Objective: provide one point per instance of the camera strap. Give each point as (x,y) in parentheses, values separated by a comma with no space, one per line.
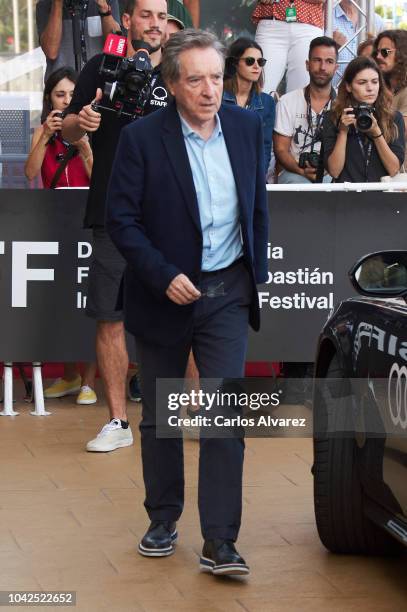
(83,16)
(78,11)
(70,152)
(366,152)
(320,116)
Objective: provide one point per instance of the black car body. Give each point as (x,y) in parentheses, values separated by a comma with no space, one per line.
(360,413)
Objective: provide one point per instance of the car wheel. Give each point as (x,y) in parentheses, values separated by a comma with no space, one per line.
(338,493)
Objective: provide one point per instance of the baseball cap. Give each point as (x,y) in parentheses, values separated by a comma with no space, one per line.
(177,21)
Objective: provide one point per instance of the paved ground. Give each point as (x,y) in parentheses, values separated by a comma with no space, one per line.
(71,520)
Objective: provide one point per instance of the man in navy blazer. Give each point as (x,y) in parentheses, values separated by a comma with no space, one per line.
(187,209)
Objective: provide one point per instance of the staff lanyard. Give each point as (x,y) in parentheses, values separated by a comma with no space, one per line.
(367,153)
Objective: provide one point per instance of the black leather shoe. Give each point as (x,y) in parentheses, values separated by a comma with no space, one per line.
(159,539)
(222,559)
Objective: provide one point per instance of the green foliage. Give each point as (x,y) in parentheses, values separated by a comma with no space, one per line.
(6,24)
(386,12)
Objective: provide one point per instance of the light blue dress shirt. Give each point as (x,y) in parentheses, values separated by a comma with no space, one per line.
(217,197)
(343,24)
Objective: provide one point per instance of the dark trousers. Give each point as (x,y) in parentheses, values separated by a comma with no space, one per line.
(219,342)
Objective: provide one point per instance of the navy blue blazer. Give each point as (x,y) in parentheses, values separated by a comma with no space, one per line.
(153,216)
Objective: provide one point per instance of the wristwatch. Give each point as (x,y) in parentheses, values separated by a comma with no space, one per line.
(108,12)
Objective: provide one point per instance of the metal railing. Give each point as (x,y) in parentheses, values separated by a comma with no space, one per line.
(346,186)
(366,9)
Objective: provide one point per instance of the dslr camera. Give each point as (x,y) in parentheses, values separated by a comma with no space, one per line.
(363,114)
(312,157)
(127,79)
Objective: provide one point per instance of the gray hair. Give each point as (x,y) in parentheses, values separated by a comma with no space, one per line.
(183,41)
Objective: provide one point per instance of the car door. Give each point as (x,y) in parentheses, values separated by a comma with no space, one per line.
(387,365)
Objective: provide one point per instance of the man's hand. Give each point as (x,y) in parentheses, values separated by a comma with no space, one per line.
(310,172)
(339,38)
(109,24)
(181,291)
(103,6)
(88,119)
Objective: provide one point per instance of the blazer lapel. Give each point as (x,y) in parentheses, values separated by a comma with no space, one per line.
(177,154)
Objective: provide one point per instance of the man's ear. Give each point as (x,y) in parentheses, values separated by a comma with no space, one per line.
(126,21)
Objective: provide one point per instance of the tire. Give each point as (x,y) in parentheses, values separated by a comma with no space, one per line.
(338,492)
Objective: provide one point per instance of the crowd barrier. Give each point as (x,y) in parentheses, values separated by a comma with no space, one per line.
(314,239)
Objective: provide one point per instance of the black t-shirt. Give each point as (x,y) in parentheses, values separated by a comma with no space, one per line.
(104,141)
(354,170)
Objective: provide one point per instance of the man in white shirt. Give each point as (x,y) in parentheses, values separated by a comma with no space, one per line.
(300,114)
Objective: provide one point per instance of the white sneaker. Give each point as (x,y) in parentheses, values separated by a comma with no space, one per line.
(111,436)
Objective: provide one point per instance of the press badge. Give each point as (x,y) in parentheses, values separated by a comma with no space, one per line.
(291,13)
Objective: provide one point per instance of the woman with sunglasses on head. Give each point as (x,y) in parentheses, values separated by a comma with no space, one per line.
(363,139)
(390,53)
(243,86)
(48,153)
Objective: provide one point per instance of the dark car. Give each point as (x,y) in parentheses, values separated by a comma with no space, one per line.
(360,413)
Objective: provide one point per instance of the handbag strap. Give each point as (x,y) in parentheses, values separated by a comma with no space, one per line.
(70,152)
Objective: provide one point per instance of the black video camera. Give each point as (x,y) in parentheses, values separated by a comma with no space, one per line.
(312,157)
(127,79)
(363,114)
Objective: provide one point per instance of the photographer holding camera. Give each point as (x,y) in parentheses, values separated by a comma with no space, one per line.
(144,89)
(95,20)
(48,150)
(363,138)
(300,113)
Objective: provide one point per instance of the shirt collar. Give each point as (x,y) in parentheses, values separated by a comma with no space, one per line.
(188,132)
(339,12)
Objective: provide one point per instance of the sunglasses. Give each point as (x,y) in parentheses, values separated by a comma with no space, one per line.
(383,52)
(250,61)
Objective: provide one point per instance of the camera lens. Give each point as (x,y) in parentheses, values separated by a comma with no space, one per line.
(364,119)
(313,159)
